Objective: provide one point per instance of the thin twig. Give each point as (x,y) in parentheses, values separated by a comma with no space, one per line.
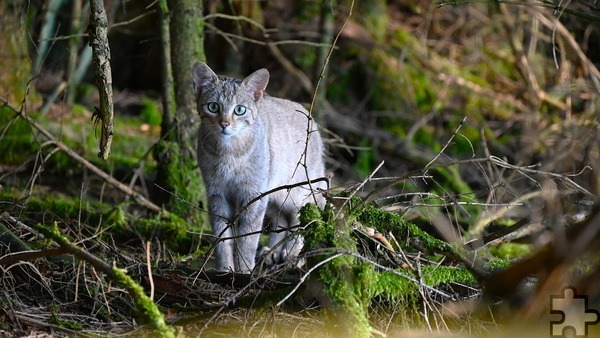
(447,143)
(44,324)
(282,187)
(358,188)
(487,218)
(15,257)
(303,278)
(564,177)
(149,269)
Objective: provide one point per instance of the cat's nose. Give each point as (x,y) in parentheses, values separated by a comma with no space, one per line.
(224,124)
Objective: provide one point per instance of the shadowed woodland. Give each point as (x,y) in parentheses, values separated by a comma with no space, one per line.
(463,152)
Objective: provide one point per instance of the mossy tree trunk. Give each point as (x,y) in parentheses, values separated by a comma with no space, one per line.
(177,175)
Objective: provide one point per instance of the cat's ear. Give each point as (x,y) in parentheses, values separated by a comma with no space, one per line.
(203,76)
(256,83)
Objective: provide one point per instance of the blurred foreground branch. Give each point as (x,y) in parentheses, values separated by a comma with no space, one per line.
(557,7)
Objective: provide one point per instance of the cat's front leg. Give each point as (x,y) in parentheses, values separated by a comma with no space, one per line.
(293,242)
(292,248)
(278,231)
(248,235)
(221,214)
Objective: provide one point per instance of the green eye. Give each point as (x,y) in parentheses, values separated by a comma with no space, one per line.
(239,110)
(213,107)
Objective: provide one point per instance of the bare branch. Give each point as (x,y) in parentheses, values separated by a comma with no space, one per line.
(141,200)
(98,30)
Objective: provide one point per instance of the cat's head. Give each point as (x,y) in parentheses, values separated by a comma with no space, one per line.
(227,105)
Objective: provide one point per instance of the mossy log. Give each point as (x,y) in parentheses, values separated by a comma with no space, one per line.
(354,280)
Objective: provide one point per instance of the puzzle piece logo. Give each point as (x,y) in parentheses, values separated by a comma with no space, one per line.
(576,316)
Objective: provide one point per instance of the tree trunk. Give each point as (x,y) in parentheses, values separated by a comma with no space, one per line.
(178,183)
(76,7)
(166,74)
(186,48)
(326,26)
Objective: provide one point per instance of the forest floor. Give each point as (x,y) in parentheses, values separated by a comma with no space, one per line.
(56,293)
(463,144)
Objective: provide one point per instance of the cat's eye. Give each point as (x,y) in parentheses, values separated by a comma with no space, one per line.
(239,110)
(213,107)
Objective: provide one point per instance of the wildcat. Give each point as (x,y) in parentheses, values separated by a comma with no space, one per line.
(249,143)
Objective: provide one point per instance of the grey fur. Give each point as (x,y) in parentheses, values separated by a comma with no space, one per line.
(242,156)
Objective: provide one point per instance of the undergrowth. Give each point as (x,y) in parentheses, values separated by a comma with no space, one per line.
(358,281)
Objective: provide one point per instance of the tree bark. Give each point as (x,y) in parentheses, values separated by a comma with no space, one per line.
(187,47)
(178,182)
(168,89)
(98,30)
(326,26)
(73,50)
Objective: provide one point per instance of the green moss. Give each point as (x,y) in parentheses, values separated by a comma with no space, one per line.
(130,149)
(510,251)
(349,303)
(310,212)
(171,228)
(168,227)
(497,264)
(147,310)
(117,218)
(150,112)
(426,136)
(468,142)
(340,277)
(69,324)
(437,275)
(58,205)
(180,177)
(78,109)
(319,233)
(389,222)
(17,142)
(393,287)
(52,232)
(353,284)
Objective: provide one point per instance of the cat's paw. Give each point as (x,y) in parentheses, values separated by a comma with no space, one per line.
(292,247)
(290,253)
(268,256)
